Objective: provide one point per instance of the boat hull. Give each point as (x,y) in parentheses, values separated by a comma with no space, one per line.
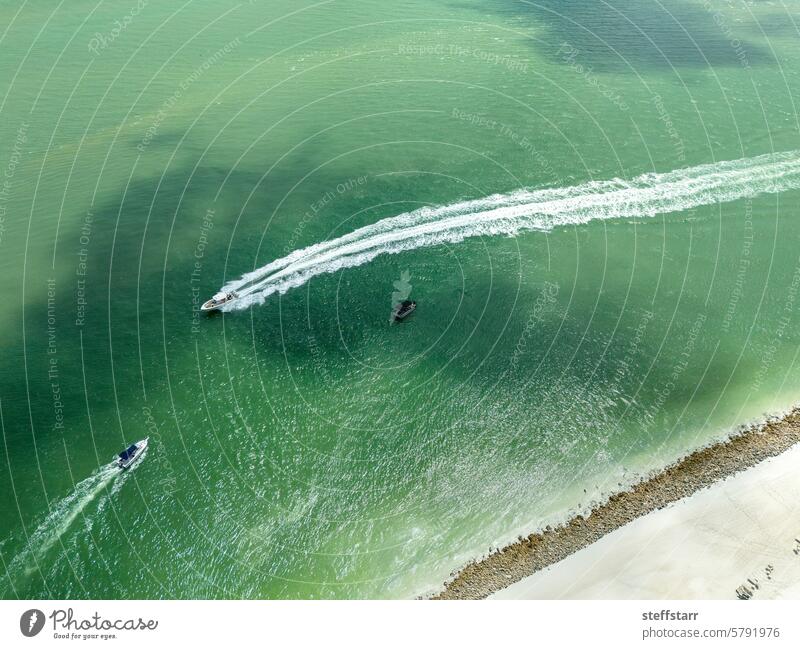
(406,309)
(215,305)
(127,463)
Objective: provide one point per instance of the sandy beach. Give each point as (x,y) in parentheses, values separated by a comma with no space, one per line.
(702,547)
(702,528)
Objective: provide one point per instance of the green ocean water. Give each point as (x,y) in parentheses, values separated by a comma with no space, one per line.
(305,447)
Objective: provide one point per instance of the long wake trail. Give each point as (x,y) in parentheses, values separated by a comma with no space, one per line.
(60,518)
(524,210)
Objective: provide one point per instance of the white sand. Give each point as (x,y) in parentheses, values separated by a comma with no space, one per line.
(701,547)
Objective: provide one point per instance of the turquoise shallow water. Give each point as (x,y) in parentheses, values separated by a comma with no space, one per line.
(303,447)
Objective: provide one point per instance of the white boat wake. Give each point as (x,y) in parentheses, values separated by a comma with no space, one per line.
(524,210)
(60,518)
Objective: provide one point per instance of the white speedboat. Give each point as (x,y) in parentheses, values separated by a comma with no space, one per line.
(218,300)
(132,454)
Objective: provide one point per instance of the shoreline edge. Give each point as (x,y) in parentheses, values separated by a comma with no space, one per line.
(696,471)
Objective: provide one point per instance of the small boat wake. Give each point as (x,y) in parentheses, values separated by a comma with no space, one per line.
(523,210)
(62,515)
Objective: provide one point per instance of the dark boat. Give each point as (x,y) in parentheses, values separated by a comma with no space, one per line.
(131,454)
(404,309)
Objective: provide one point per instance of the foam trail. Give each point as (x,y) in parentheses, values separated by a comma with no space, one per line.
(62,515)
(525,210)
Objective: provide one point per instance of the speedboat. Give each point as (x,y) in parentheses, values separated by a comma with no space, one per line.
(131,454)
(218,300)
(404,309)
